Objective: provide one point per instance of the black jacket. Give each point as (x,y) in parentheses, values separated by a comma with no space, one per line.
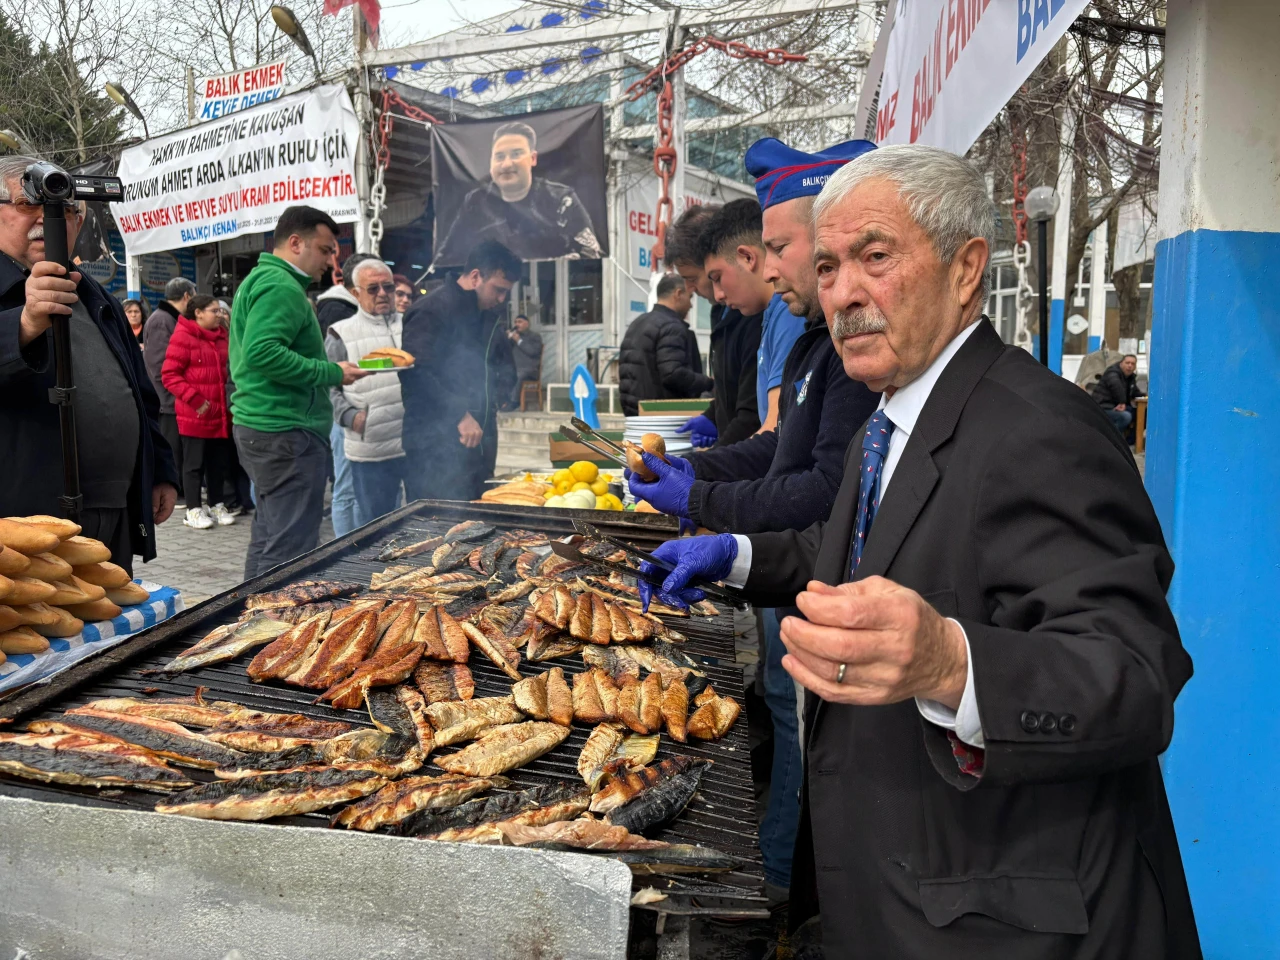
(30,437)
(462,364)
(1017,510)
(329,310)
(659,360)
(156,333)
(786,479)
(735,345)
(1114,388)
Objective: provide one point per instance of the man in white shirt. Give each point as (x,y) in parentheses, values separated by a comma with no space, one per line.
(989,658)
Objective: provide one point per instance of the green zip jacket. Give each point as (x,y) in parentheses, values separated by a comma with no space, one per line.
(278,364)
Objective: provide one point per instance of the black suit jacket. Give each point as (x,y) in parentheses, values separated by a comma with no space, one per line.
(1016,509)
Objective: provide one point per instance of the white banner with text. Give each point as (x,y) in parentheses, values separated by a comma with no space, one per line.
(231,92)
(953,64)
(237,175)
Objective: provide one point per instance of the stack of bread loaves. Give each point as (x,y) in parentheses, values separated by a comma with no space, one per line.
(52,580)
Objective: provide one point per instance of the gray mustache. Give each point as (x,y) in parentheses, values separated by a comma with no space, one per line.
(36,232)
(855,323)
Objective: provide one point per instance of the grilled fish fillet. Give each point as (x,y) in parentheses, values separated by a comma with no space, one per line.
(467,719)
(714,716)
(442,636)
(395,625)
(675,709)
(580,620)
(660,802)
(503,748)
(450,556)
(545,697)
(640,704)
(305,591)
(613,661)
(478,821)
(601,747)
(396,801)
(595,697)
(556,606)
(191,711)
(298,614)
(85,761)
(643,856)
(546,643)
(444,682)
(416,706)
(629,783)
(393,552)
(226,642)
(467,530)
(272,795)
(339,652)
(288,651)
(496,647)
(164,738)
(282,724)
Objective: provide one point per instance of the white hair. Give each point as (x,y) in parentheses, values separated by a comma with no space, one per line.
(365,265)
(12,168)
(944,193)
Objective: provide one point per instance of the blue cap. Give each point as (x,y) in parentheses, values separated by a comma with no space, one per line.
(783,173)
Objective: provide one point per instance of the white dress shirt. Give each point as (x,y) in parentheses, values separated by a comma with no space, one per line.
(903,409)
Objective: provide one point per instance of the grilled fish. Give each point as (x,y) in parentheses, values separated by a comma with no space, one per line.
(383,669)
(467,719)
(555,606)
(501,748)
(714,716)
(662,657)
(442,636)
(298,614)
(487,558)
(287,652)
(628,782)
(545,697)
(643,856)
(499,592)
(602,746)
(467,530)
(356,606)
(164,738)
(193,711)
(85,761)
(613,661)
(448,556)
(395,624)
(225,642)
(305,591)
(614,587)
(272,795)
(396,801)
(546,643)
(255,741)
(339,652)
(526,538)
(595,697)
(394,552)
(444,682)
(424,580)
(580,619)
(640,704)
(655,795)
(496,647)
(675,708)
(416,707)
(557,568)
(526,564)
(480,821)
(362,745)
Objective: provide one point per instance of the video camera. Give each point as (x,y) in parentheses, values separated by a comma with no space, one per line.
(47,183)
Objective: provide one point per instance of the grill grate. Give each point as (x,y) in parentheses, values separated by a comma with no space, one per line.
(722,815)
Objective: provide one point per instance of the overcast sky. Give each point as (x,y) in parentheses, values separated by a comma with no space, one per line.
(410,21)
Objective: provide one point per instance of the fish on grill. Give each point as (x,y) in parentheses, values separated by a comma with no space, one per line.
(193,711)
(395,625)
(340,651)
(256,741)
(642,855)
(444,682)
(302,592)
(272,794)
(501,592)
(287,652)
(521,628)
(640,704)
(385,668)
(547,643)
(714,715)
(449,556)
(455,721)
(613,661)
(393,552)
(468,530)
(301,613)
(390,755)
(164,738)
(526,564)
(664,658)
(490,554)
(396,801)
(422,580)
(225,643)
(615,588)
(555,606)
(284,724)
(652,796)
(545,697)
(391,574)
(580,619)
(441,636)
(500,749)
(675,709)
(491,642)
(81,760)
(356,607)
(480,821)
(415,705)
(609,749)
(591,617)
(595,697)
(527,538)
(556,567)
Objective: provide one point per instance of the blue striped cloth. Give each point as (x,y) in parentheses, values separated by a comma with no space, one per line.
(21,669)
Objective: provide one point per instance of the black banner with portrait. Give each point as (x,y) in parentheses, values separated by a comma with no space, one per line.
(532,181)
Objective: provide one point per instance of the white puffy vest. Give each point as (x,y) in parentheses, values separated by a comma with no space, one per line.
(378,393)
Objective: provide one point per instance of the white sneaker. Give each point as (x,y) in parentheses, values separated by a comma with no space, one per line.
(198,518)
(222,515)
(234,511)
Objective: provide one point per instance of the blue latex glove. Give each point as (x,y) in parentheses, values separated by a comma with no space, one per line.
(710,557)
(704,432)
(670,492)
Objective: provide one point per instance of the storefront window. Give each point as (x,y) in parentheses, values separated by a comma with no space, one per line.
(539,293)
(586,292)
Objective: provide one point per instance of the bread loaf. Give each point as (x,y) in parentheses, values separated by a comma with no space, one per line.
(128,595)
(95,610)
(26,538)
(12,563)
(6,587)
(106,575)
(48,567)
(74,590)
(36,614)
(79,551)
(60,527)
(66,624)
(22,640)
(27,590)
(9,618)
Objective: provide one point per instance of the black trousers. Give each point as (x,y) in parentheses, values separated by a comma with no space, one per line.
(111,526)
(446,470)
(209,459)
(169,430)
(288,471)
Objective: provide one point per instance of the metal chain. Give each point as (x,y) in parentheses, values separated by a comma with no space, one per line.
(773,56)
(1021,247)
(664,165)
(383,125)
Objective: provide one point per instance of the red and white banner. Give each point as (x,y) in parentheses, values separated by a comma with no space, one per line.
(230,92)
(953,64)
(233,176)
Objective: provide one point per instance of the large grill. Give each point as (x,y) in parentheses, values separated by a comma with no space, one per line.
(722,816)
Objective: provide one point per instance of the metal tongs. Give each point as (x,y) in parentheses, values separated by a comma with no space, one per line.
(583,427)
(577,437)
(710,588)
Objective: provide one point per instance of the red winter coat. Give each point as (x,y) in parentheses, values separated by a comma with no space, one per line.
(195,370)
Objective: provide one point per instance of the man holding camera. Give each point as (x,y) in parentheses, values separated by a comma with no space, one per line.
(127,473)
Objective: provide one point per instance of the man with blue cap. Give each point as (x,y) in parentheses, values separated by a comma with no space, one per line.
(784,479)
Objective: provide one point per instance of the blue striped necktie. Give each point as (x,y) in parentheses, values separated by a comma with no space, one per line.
(875,447)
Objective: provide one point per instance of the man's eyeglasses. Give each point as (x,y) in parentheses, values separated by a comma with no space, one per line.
(26,206)
(377,288)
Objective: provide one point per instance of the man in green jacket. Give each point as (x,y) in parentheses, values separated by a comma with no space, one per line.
(280,408)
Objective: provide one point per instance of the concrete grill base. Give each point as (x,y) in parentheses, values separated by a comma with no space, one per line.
(85,883)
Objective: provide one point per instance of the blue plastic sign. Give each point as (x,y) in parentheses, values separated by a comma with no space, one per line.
(582,390)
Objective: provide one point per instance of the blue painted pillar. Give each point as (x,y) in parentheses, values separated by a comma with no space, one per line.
(1213,462)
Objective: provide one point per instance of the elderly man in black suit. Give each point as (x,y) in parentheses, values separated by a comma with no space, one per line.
(990,661)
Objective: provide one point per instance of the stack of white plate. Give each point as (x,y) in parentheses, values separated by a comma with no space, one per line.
(663,425)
